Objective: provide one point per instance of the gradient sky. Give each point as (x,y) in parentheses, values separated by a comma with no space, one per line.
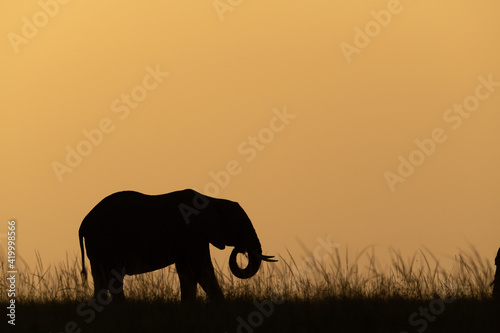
(319,174)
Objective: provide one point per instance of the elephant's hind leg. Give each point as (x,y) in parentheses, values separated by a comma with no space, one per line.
(115,285)
(99,276)
(106,278)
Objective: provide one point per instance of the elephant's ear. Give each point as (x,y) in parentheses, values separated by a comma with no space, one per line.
(206,233)
(218,245)
(208,223)
(214,232)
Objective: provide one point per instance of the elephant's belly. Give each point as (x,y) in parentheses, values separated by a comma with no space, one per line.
(141,265)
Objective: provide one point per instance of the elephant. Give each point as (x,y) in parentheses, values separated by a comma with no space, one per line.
(496,281)
(130,233)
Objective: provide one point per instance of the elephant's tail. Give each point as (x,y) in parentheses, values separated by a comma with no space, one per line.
(82,249)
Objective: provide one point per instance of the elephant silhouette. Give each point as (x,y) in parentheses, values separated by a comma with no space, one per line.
(130,233)
(496,281)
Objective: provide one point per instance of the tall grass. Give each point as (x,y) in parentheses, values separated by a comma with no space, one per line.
(418,277)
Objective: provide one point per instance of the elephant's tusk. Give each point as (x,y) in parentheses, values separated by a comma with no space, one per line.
(270,260)
(265,257)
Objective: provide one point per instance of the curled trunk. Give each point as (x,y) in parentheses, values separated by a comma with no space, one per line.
(252,268)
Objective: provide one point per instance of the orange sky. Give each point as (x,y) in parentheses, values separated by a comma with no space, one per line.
(358,93)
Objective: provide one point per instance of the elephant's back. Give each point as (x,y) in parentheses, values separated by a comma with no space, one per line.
(126,210)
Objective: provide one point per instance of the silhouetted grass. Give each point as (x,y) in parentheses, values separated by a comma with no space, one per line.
(306,295)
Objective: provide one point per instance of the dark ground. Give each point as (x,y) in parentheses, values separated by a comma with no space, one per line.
(325,315)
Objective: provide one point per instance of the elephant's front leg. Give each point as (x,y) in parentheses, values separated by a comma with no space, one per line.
(207,279)
(496,284)
(187,281)
(210,285)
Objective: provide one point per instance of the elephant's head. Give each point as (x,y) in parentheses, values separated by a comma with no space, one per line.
(229,225)
(243,237)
